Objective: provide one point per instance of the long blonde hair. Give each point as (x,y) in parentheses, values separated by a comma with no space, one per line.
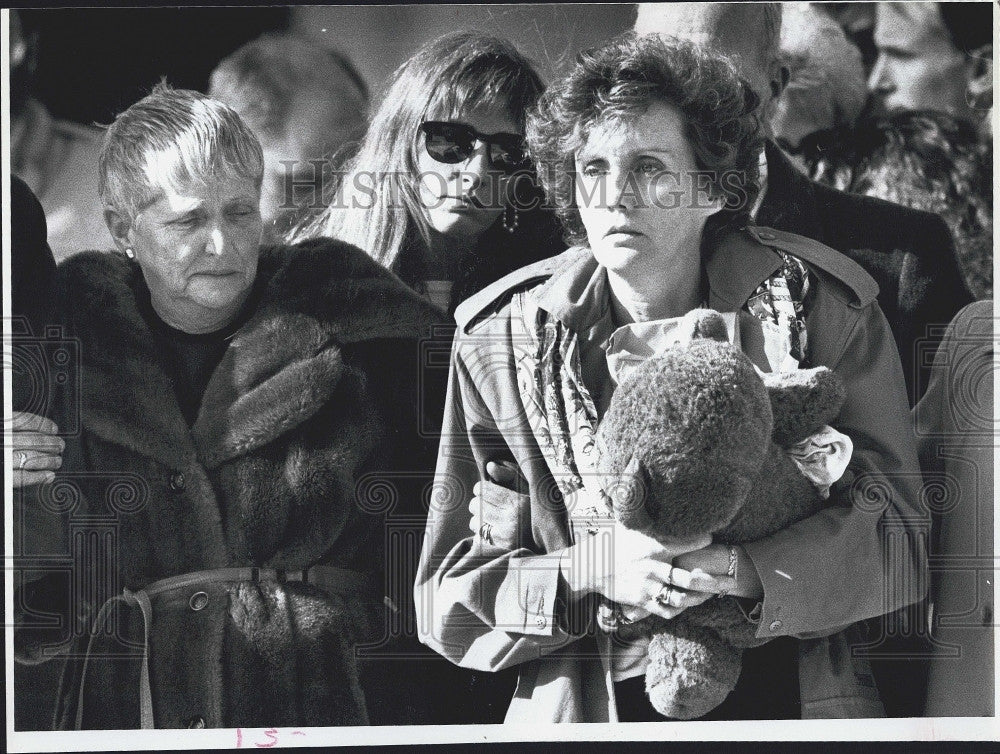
(375,205)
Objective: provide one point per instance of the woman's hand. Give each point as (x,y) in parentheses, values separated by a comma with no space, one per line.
(715,560)
(636,571)
(497,510)
(628,567)
(37,448)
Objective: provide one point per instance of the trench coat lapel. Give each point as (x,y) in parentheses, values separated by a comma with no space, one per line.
(735,266)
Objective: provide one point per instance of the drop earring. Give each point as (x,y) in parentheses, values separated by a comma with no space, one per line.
(510,218)
(129,253)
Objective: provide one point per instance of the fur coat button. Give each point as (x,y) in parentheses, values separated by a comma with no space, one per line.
(775,625)
(196,722)
(177,481)
(198,601)
(540,621)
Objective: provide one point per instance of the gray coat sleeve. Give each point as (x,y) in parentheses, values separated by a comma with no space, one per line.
(481,606)
(865,554)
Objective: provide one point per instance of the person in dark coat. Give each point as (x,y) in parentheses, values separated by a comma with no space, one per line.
(32,262)
(222,510)
(32,270)
(922,159)
(909,253)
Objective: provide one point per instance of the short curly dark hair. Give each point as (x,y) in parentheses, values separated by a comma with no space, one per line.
(622,78)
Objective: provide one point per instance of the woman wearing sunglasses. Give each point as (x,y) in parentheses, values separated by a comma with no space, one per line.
(648,149)
(441,190)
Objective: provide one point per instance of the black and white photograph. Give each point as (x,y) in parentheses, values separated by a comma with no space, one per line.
(443,373)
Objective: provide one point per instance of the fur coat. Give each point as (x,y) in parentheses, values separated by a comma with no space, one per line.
(285,467)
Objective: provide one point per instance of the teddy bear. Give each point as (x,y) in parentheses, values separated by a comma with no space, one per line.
(693,442)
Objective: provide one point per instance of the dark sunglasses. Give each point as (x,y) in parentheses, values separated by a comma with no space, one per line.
(451,142)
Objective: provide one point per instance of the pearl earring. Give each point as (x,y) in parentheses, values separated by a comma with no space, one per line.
(129,253)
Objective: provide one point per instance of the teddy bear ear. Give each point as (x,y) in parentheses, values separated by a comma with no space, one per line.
(704,324)
(627,492)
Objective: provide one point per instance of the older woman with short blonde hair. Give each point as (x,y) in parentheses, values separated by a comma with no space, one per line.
(233,401)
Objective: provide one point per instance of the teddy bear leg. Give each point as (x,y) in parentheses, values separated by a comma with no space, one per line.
(691,670)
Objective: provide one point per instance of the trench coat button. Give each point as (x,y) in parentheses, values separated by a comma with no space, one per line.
(540,621)
(198,601)
(196,722)
(775,625)
(177,481)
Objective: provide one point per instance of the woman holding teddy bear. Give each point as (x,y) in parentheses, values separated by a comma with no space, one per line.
(649,149)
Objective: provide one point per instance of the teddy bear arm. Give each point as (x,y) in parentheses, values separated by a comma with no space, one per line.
(779,497)
(803,402)
(725,618)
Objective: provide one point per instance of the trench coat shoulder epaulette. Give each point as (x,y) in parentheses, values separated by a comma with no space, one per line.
(839,266)
(493,297)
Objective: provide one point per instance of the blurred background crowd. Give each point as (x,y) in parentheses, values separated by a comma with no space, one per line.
(883,99)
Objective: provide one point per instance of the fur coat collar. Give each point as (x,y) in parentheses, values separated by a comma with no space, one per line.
(280,367)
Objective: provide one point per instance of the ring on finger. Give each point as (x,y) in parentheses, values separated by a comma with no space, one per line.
(22,460)
(665,594)
(486,532)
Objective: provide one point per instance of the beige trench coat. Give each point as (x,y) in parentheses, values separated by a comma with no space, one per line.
(489,608)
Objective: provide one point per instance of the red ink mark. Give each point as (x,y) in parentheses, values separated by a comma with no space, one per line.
(271,733)
(298,733)
(239,738)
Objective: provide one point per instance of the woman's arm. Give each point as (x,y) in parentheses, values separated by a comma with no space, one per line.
(490,606)
(482,607)
(864,555)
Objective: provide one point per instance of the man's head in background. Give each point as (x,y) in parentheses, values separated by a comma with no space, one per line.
(933,56)
(857,19)
(305,103)
(826,89)
(748,33)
